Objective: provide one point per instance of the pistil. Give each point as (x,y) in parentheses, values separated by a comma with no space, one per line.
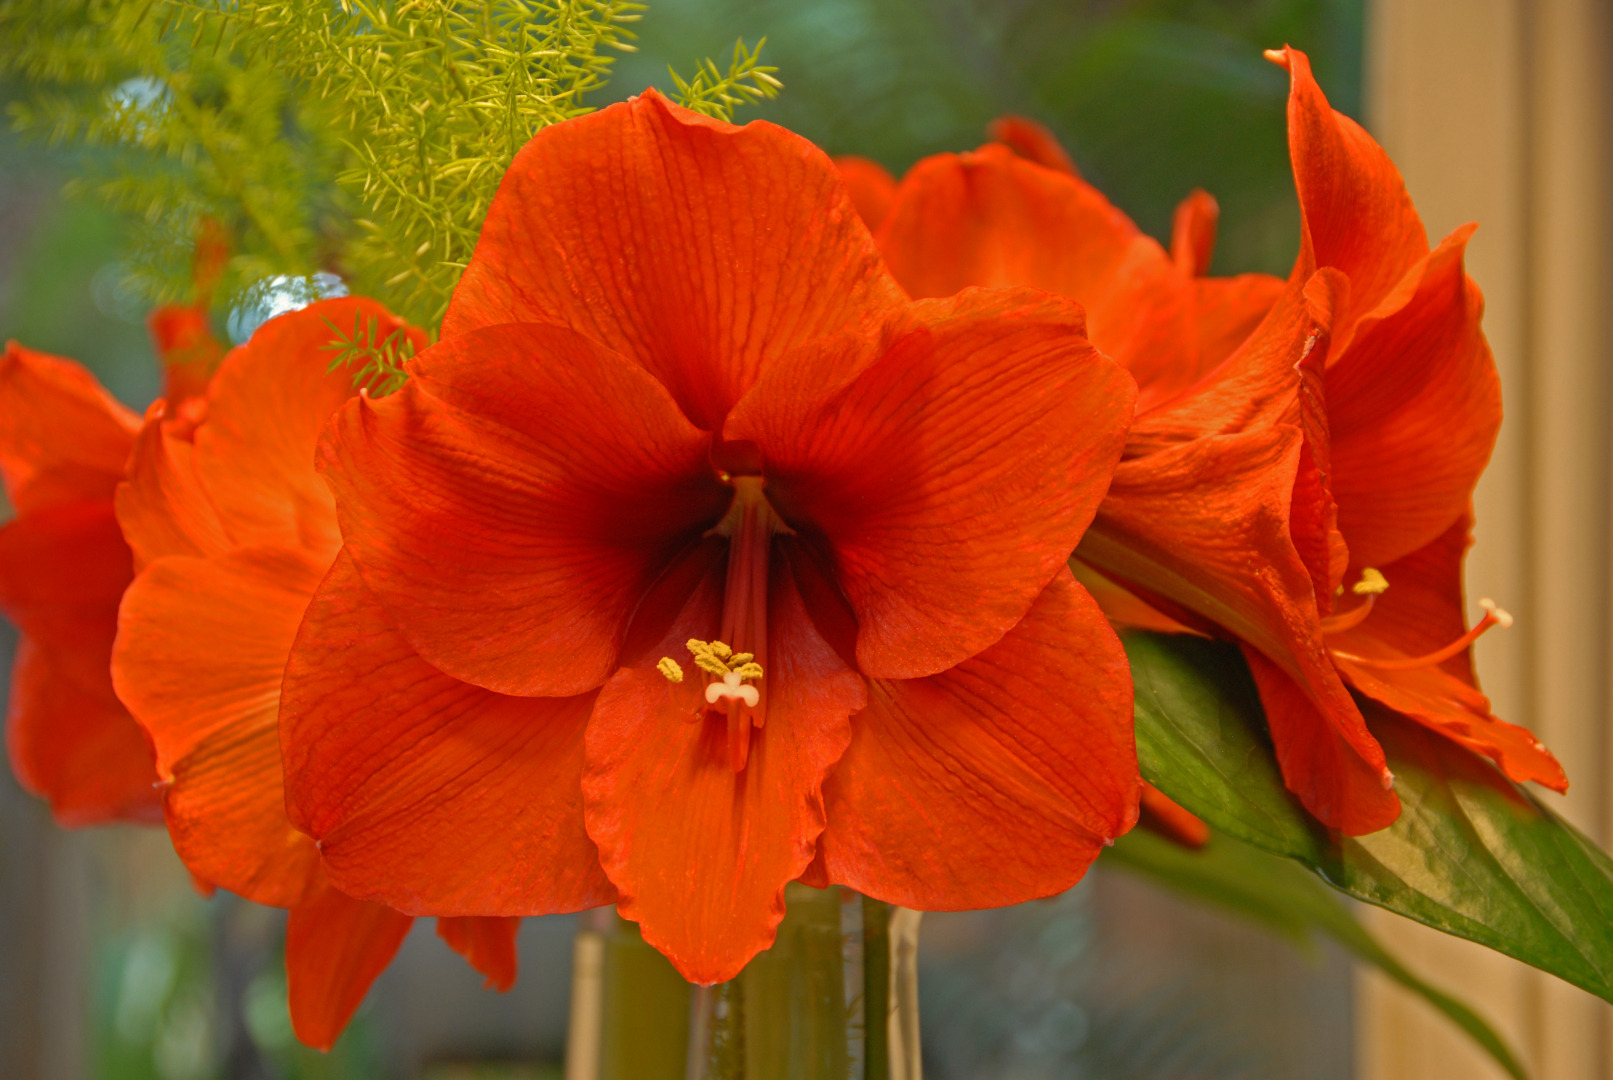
(749,525)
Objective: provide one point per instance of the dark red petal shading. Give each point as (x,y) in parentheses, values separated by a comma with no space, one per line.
(335,947)
(512,503)
(953,476)
(487,944)
(430,794)
(77,747)
(701,250)
(997,781)
(1335,781)
(63,438)
(871,186)
(700,854)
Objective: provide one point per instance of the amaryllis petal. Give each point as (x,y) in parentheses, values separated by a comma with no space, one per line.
(991,218)
(226,814)
(1228,555)
(510,504)
(162,506)
(991,783)
(77,746)
(871,186)
(993,428)
(1357,215)
(702,250)
(1226,312)
(1193,233)
(1419,614)
(335,947)
(1460,713)
(709,893)
(1169,818)
(427,793)
(487,944)
(63,438)
(1413,410)
(1338,783)
(1033,142)
(202,643)
(187,348)
(267,407)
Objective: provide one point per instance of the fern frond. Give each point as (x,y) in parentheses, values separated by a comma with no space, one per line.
(431,99)
(717,95)
(376,362)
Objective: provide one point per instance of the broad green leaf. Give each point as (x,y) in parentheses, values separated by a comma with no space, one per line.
(1201,739)
(1472,854)
(1280,895)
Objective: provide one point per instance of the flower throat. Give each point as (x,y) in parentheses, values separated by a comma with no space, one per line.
(736,662)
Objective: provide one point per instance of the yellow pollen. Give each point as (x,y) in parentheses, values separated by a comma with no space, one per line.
(1372,583)
(669,667)
(716,658)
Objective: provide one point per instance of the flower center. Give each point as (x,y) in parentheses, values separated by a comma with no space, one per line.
(1372,585)
(734,662)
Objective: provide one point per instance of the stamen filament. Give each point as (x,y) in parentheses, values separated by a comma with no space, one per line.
(1493,616)
(749,525)
(1347,620)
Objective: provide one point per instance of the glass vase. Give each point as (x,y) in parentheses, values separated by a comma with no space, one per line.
(835,998)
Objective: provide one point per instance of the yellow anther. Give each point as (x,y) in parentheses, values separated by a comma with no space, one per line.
(718,659)
(669,667)
(1372,583)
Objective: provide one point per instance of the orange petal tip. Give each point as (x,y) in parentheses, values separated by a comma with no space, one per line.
(1277,56)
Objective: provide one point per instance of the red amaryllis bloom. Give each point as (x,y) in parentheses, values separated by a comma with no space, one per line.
(696,553)
(1336,445)
(232,530)
(63,568)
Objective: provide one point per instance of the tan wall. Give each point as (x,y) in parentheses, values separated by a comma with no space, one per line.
(1497,111)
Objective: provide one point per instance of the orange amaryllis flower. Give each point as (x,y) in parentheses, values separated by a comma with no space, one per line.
(1266,470)
(232,530)
(770,560)
(64,442)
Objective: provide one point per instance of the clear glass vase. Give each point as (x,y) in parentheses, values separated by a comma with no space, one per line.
(835,998)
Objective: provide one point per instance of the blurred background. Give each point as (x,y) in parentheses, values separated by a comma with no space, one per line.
(111,966)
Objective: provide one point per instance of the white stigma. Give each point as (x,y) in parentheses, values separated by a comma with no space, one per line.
(733,689)
(1499,614)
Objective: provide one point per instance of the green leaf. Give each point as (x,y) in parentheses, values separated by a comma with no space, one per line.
(1472,854)
(1281,896)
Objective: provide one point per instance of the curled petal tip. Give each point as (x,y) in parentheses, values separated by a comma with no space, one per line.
(1277,56)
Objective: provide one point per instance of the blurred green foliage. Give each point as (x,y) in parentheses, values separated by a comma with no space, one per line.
(1152,97)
